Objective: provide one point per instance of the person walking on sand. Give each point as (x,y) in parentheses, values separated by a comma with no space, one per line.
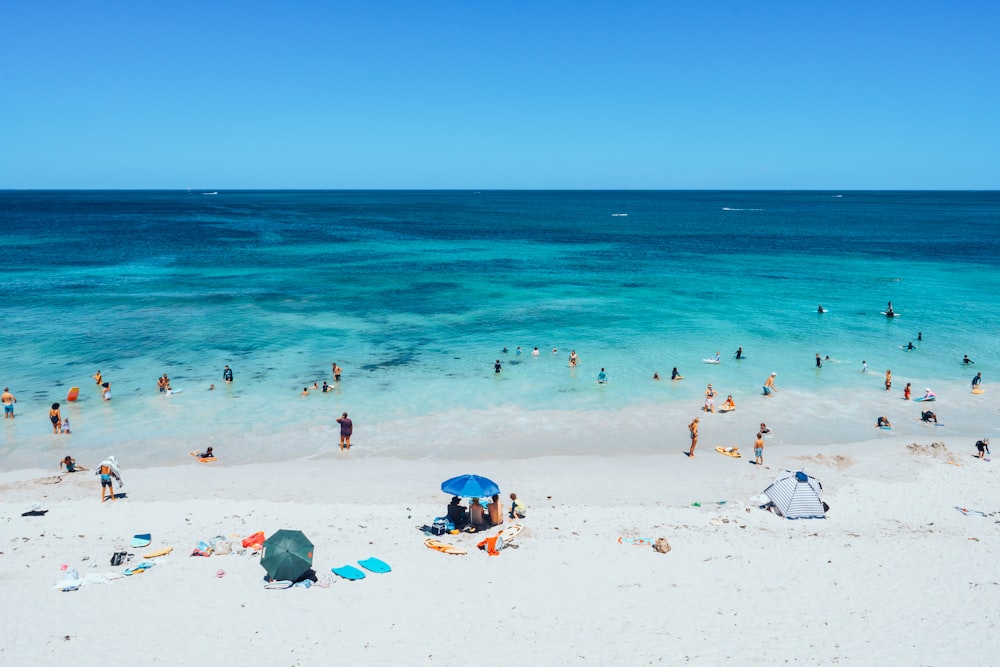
(8,401)
(227,374)
(109,470)
(888,380)
(758,450)
(346,428)
(693,428)
(55,418)
(769,387)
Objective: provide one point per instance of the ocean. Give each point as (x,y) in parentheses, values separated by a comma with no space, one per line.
(416,294)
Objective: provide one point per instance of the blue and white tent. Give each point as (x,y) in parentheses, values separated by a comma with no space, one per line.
(796,495)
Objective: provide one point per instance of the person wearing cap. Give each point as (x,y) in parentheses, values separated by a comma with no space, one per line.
(769,387)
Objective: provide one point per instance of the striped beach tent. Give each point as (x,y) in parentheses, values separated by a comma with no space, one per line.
(796,495)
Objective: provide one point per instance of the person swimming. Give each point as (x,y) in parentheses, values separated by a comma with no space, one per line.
(966,360)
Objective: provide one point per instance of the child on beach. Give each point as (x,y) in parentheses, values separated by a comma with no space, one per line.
(758,450)
(517,508)
(729,404)
(69,463)
(906,392)
(983,446)
(65,426)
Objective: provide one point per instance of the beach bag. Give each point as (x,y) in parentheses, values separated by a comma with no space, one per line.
(223,547)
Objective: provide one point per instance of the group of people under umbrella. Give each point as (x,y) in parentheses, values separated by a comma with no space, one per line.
(477,515)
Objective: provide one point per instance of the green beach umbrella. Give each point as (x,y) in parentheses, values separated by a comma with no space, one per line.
(287,554)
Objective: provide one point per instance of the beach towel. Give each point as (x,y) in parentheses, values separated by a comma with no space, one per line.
(255,541)
(203,549)
(492,545)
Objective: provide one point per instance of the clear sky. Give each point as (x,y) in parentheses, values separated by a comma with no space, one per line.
(476,94)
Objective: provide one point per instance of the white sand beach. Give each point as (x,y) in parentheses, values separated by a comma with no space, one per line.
(894,575)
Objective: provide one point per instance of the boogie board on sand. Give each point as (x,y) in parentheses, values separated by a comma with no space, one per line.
(731,451)
(142,540)
(977,390)
(375,565)
(348,572)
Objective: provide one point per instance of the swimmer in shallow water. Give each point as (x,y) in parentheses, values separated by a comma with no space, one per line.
(883,422)
(675,375)
(928,416)
(966,360)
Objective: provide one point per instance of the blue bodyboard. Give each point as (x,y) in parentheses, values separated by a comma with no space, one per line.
(142,540)
(375,565)
(348,572)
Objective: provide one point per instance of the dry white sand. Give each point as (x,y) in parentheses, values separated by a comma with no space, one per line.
(894,575)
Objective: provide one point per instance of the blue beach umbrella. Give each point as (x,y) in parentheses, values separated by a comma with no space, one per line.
(470,486)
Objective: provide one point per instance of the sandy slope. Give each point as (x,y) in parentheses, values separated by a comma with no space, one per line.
(895,575)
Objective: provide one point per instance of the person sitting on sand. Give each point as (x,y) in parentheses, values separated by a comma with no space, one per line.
(495,511)
(729,404)
(476,515)
(457,513)
(517,508)
(928,416)
(984,447)
(207,454)
(883,422)
(70,464)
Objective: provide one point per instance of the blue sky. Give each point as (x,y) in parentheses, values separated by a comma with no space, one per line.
(443,94)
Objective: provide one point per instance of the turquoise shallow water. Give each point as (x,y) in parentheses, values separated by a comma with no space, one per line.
(415,294)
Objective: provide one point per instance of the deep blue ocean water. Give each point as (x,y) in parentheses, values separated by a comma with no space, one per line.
(415,294)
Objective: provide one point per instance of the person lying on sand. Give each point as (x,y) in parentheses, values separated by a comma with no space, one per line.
(928,416)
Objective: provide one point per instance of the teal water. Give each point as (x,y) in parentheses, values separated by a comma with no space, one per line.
(415,294)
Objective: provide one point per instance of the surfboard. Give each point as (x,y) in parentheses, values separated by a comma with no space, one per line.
(711,361)
(510,532)
(731,452)
(348,572)
(884,428)
(375,565)
(977,390)
(160,552)
(444,547)
(927,399)
(73,393)
(142,540)
(894,314)
(640,541)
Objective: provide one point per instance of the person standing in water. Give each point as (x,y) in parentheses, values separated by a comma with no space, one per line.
(769,387)
(227,374)
(602,378)
(693,428)
(888,380)
(819,362)
(56,418)
(739,352)
(8,401)
(497,367)
(346,428)
(976,381)
(906,392)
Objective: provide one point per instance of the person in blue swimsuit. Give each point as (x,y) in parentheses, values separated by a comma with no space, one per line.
(497,367)
(976,380)
(602,378)
(227,374)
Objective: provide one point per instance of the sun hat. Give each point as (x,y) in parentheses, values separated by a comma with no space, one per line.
(773,374)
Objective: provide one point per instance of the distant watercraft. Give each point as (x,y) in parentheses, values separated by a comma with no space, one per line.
(619,215)
(209,193)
